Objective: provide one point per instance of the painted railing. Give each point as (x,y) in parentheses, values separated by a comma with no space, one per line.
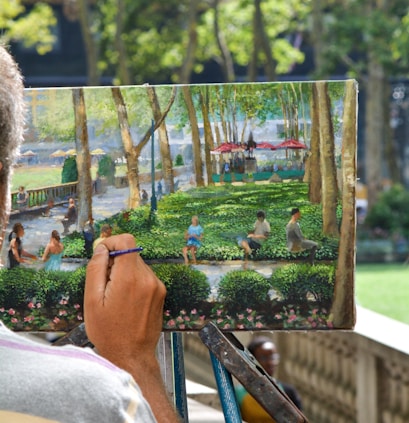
(39,197)
(355,376)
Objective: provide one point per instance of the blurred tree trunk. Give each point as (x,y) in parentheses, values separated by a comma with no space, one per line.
(261,43)
(83,158)
(343,300)
(329,189)
(375,127)
(123,70)
(226,57)
(91,49)
(189,60)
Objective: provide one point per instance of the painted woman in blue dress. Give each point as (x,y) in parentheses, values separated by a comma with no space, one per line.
(193,237)
(53,252)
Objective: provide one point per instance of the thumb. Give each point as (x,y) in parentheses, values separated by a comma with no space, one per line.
(97,276)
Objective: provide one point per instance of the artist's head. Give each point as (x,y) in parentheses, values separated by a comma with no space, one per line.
(195,220)
(265,352)
(11,129)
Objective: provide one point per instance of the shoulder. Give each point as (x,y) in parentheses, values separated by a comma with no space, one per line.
(117,391)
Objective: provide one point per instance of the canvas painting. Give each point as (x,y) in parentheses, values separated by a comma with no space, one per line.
(241,197)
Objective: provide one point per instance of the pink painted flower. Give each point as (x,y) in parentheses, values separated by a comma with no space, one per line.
(250,318)
(38,305)
(179,319)
(194,311)
(241,326)
(56,320)
(171,323)
(11,312)
(218,321)
(77,306)
(182,327)
(240,316)
(79,316)
(167,313)
(291,318)
(202,318)
(219,312)
(259,325)
(14,320)
(2,310)
(249,310)
(62,313)
(278,316)
(63,301)
(30,305)
(28,318)
(226,326)
(187,319)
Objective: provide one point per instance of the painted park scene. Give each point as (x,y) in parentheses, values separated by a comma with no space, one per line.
(242,197)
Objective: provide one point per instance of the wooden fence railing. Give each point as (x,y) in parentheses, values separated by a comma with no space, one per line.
(39,197)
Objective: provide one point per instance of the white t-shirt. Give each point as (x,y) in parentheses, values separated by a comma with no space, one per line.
(67,384)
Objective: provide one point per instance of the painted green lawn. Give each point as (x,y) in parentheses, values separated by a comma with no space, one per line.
(384,288)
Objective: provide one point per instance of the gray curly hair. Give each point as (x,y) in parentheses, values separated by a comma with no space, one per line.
(12,115)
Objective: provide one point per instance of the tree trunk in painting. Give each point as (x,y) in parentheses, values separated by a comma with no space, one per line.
(83,158)
(327,160)
(197,158)
(130,152)
(343,300)
(208,135)
(167,168)
(313,160)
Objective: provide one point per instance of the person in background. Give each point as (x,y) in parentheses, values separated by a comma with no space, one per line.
(22,198)
(144,196)
(265,352)
(16,251)
(53,252)
(255,238)
(295,239)
(193,237)
(89,236)
(70,217)
(159,190)
(106,232)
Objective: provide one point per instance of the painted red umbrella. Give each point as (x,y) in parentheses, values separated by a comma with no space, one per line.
(291,144)
(227,147)
(263,145)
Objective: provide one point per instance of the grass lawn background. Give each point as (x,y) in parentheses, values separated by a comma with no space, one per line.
(384,288)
